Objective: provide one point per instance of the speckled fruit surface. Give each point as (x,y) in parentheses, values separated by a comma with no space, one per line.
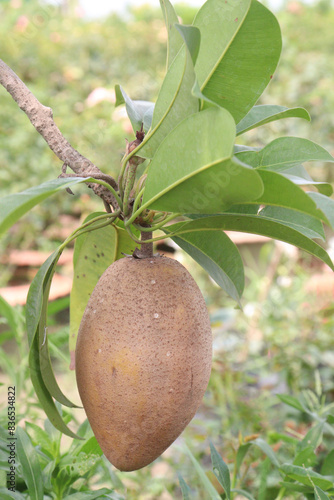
(143,358)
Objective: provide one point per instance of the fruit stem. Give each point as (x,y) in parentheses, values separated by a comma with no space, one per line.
(146,249)
(129,182)
(146,245)
(138,200)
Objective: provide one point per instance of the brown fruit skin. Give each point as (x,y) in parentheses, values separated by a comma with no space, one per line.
(143,358)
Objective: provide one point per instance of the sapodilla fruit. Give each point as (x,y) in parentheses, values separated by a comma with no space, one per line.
(143,358)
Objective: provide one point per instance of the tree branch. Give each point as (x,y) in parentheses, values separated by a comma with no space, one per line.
(41,118)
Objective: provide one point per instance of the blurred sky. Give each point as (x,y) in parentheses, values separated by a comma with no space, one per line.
(97,8)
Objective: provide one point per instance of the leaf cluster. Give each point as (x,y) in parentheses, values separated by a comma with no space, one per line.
(288,464)
(44,472)
(307,472)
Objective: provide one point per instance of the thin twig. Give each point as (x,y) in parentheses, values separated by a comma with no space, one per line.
(41,118)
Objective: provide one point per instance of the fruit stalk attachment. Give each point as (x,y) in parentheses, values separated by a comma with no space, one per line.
(146,249)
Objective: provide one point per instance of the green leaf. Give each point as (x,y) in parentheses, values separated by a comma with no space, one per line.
(241,453)
(5,336)
(35,294)
(148,117)
(323,187)
(325,204)
(296,487)
(297,171)
(90,447)
(207,179)
(89,495)
(125,244)
(327,468)
(84,430)
(31,469)
(185,490)
(305,458)
(209,190)
(299,175)
(209,488)
(43,394)
(330,419)
(243,493)
(136,110)
(218,255)
(3,438)
(260,443)
(314,437)
(44,354)
(256,225)
(284,153)
(215,22)
(14,206)
(205,101)
(291,401)
(94,252)
(305,224)
(240,148)
(40,437)
(306,476)
(281,192)
(36,315)
(239,52)
(243,209)
(78,465)
(264,473)
(175,102)
(11,495)
(260,115)
(8,312)
(192,39)
(52,431)
(47,474)
(319,494)
(174,41)
(102,247)
(58,305)
(221,471)
(115,480)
